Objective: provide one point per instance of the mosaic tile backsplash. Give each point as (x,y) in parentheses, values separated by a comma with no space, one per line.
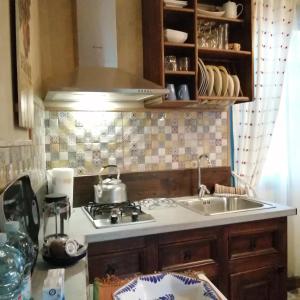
(135,141)
(28,159)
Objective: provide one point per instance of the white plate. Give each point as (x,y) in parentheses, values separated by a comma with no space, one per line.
(201,81)
(224,75)
(217,81)
(166,286)
(237,85)
(210,13)
(211,79)
(203,78)
(230,90)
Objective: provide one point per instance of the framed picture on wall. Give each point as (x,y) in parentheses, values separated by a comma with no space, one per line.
(22,62)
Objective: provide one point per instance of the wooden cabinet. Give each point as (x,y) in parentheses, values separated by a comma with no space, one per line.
(246,260)
(257,260)
(191,250)
(157,17)
(258,284)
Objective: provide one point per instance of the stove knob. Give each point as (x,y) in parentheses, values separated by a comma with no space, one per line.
(134,216)
(114,219)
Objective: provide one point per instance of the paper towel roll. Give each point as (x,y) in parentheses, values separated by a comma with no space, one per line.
(62,182)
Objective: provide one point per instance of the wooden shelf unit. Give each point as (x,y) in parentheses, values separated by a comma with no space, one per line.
(156,18)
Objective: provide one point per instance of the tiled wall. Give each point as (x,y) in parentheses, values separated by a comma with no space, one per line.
(27,159)
(136,141)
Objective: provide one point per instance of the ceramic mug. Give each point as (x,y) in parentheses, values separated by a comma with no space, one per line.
(172,94)
(183,92)
(231,9)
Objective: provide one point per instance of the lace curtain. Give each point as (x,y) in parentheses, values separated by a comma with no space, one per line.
(281,173)
(253,123)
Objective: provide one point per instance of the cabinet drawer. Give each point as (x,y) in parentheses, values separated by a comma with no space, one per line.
(254,239)
(116,246)
(188,252)
(120,264)
(248,244)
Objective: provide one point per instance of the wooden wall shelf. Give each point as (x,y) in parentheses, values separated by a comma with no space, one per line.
(180,45)
(171,104)
(223,53)
(181,73)
(156,17)
(202,102)
(219,19)
(178,9)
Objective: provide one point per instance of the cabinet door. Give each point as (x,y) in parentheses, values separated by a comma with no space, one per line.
(259,284)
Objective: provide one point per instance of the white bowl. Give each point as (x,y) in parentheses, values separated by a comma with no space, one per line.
(166,286)
(175,36)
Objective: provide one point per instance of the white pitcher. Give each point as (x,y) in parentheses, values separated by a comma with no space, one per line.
(231,9)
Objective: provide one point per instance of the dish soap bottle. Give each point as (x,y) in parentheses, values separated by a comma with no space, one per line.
(23,243)
(11,270)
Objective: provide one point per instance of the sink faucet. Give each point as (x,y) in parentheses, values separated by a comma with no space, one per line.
(202,189)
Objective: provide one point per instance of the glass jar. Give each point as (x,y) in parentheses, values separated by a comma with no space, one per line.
(183,64)
(170,63)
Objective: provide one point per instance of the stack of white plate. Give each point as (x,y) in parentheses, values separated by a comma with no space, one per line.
(216,81)
(175,3)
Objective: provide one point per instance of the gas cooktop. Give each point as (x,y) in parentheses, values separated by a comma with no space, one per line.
(117,214)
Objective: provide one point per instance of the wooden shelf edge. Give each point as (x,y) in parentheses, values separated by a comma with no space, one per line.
(180,73)
(223,98)
(219,19)
(169,103)
(179,45)
(221,101)
(224,52)
(178,9)
(203,102)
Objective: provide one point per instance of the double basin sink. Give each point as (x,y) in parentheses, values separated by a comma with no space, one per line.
(213,205)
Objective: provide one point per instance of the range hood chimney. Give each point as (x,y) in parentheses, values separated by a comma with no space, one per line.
(98,76)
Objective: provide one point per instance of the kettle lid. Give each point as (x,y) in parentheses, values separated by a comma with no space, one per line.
(112,181)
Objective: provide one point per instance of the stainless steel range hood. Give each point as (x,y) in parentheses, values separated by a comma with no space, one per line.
(108,84)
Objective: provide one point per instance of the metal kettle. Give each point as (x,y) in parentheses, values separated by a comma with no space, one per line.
(110,190)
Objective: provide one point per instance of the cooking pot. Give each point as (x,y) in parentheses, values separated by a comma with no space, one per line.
(110,190)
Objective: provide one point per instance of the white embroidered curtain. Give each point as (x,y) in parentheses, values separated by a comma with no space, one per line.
(253,122)
(280,177)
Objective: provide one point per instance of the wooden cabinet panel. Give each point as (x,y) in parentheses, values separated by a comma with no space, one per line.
(120,264)
(254,239)
(259,284)
(253,243)
(187,252)
(245,260)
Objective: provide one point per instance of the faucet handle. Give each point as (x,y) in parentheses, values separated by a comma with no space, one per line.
(203,190)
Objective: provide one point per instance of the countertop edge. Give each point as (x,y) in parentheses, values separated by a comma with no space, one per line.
(209,221)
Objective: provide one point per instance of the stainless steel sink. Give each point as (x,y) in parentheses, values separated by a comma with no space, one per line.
(213,205)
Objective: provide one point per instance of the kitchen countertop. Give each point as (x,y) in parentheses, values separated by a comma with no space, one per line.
(76,280)
(167,219)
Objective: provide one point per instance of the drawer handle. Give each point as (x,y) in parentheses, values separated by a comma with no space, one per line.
(110,270)
(187,255)
(253,244)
